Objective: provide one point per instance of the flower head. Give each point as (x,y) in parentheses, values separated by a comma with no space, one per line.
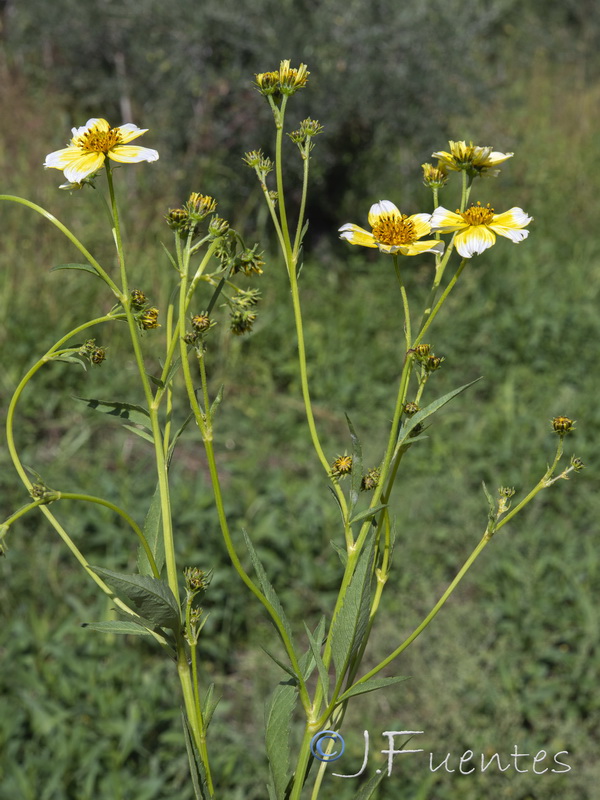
(92,143)
(471,158)
(478,225)
(393,232)
(286,80)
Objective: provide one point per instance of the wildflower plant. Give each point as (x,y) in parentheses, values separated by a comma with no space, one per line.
(162,601)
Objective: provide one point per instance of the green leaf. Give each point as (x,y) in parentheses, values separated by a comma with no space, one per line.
(177,434)
(268,590)
(368,790)
(315,648)
(118,626)
(82,267)
(280,663)
(370,686)
(71,360)
(197,771)
(217,401)
(307,662)
(151,529)
(340,551)
(350,624)
(357,465)
(210,703)
(140,432)
(491,502)
(149,597)
(367,513)
(278,724)
(411,422)
(125,412)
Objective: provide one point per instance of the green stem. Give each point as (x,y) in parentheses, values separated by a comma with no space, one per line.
(440,302)
(72,238)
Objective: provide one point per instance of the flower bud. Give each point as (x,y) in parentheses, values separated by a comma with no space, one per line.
(563,425)
(341,466)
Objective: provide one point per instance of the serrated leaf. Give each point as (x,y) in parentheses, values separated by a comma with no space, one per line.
(82,267)
(151,529)
(123,411)
(370,686)
(369,512)
(357,465)
(413,421)
(278,725)
(265,585)
(149,597)
(117,626)
(350,624)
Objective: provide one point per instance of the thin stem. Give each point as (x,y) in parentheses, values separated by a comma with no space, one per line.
(72,238)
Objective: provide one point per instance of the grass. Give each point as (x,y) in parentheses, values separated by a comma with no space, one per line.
(513,658)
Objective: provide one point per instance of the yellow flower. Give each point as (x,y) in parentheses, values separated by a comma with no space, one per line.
(92,143)
(472,158)
(393,232)
(478,225)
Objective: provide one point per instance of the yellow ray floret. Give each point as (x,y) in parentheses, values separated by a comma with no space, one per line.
(92,143)
(476,228)
(393,232)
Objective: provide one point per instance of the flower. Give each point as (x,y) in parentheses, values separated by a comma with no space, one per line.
(92,143)
(472,158)
(478,225)
(286,80)
(393,232)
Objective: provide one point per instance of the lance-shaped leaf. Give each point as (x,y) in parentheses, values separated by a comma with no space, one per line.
(370,686)
(128,414)
(155,541)
(412,422)
(83,267)
(149,597)
(265,585)
(357,465)
(278,723)
(197,771)
(315,648)
(351,621)
(118,626)
(209,705)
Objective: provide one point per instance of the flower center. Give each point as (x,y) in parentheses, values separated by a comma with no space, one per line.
(95,141)
(478,215)
(394,230)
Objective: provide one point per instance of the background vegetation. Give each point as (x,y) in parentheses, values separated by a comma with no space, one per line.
(513,659)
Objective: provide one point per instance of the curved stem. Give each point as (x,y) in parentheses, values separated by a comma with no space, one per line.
(70,236)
